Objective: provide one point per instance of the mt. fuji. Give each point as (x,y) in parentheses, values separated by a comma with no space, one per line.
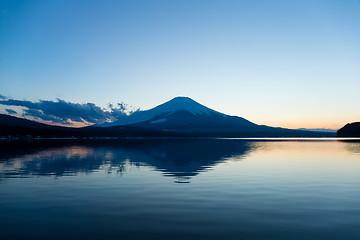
(183,115)
(180,112)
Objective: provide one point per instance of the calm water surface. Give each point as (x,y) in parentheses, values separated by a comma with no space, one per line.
(180,189)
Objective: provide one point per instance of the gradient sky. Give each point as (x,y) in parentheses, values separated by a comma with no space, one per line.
(281,63)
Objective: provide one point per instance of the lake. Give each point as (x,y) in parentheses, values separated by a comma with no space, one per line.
(180,189)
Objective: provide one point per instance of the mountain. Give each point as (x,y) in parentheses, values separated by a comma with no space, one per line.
(179,117)
(318,129)
(349,130)
(179,112)
(174,105)
(186,116)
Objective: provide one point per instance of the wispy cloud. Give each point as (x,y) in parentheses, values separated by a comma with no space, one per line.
(63,112)
(10,111)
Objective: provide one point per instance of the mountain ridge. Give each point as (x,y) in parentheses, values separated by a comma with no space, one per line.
(177,103)
(179,117)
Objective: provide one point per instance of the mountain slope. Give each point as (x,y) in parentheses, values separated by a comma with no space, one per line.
(10,121)
(349,130)
(181,120)
(184,116)
(193,110)
(15,126)
(184,123)
(19,127)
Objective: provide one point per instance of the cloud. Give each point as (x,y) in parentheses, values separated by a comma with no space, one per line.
(63,112)
(10,111)
(40,115)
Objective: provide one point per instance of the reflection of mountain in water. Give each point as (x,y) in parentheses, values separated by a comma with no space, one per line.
(178,158)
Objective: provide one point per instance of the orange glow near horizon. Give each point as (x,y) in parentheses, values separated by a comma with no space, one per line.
(293,123)
(328,123)
(308,125)
(73,124)
(279,124)
(282,124)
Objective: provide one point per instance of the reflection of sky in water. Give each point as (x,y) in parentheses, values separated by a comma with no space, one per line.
(182,159)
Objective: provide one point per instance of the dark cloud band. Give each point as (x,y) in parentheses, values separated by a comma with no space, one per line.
(10,111)
(64,112)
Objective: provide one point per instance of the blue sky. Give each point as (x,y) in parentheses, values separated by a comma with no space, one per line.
(281,63)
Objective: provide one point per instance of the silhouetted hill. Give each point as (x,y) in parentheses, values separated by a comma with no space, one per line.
(349,130)
(10,121)
(18,127)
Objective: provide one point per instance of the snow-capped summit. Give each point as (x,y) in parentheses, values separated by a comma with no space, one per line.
(185,104)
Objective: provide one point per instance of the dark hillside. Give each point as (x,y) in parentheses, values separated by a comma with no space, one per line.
(349,130)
